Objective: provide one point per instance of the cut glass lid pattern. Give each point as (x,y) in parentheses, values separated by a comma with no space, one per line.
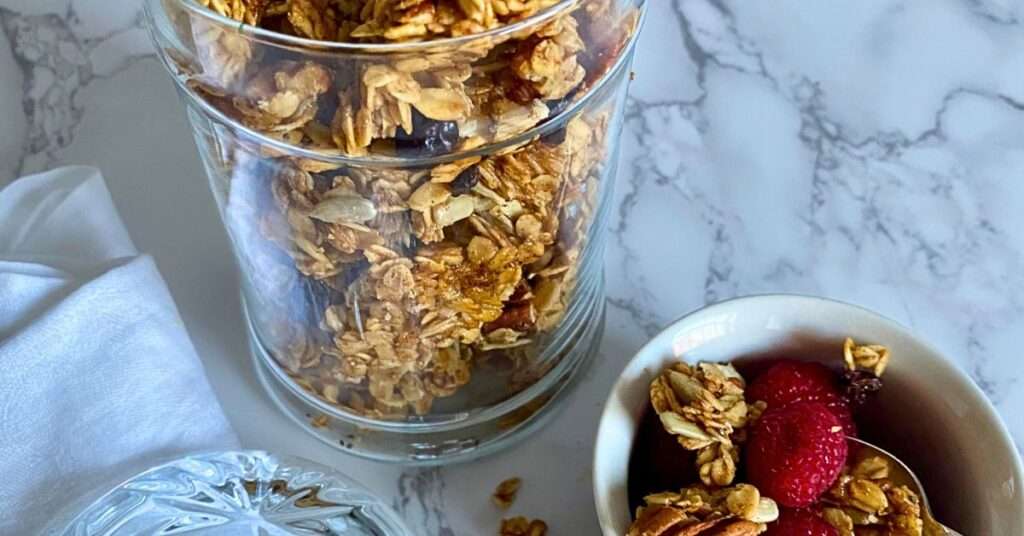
(238,493)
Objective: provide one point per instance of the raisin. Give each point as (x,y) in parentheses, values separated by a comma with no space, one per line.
(428,138)
(465,181)
(326,106)
(555,137)
(860,385)
(557,106)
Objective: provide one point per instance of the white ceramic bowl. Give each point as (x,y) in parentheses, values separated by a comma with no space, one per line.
(935,417)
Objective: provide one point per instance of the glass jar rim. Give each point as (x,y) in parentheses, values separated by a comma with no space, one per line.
(284,148)
(271,37)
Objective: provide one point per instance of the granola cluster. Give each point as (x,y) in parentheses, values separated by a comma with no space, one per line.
(375,21)
(521,526)
(505,494)
(866,501)
(703,406)
(416,277)
(443,99)
(393,279)
(698,510)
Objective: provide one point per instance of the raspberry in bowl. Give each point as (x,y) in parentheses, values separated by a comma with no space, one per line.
(754,399)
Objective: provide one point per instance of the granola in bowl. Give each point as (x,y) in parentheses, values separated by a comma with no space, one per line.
(776,445)
(413,190)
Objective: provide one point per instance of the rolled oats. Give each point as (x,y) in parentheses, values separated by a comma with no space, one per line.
(872,357)
(505,494)
(864,500)
(864,366)
(739,510)
(407,276)
(703,406)
(521,526)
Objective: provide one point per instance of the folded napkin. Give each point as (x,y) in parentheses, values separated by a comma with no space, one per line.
(98,379)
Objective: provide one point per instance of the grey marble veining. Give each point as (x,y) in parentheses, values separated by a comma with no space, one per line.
(869,151)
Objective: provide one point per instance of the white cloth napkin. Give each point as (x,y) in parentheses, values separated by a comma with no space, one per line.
(98,379)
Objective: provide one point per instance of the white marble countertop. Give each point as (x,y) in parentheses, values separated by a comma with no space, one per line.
(870,151)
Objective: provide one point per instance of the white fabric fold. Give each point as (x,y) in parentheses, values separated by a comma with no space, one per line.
(98,378)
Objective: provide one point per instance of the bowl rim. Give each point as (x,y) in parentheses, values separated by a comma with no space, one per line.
(976,396)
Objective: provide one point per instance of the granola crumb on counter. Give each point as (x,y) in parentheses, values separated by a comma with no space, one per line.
(505,493)
(521,526)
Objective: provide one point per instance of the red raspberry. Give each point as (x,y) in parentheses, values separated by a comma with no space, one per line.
(802,522)
(795,453)
(797,381)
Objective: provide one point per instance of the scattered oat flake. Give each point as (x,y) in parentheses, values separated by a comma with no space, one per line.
(320,421)
(505,494)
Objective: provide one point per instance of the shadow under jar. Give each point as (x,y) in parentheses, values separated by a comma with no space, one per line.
(416,194)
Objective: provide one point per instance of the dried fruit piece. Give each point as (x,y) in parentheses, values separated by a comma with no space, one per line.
(796,452)
(428,137)
(555,137)
(861,385)
(465,181)
(864,366)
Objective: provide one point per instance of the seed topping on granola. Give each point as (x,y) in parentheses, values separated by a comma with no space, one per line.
(703,407)
(737,510)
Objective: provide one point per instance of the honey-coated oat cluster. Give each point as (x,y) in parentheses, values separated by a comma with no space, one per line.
(867,501)
(708,409)
(407,275)
(700,510)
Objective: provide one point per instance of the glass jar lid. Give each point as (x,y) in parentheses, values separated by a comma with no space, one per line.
(238,493)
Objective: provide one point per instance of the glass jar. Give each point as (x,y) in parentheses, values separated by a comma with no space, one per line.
(417,211)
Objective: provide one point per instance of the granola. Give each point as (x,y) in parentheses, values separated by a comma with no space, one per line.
(505,494)
(863,369)
(445,99)
(865,500)
(521,526)
(872,357)
(387,285)
(703,406)
(739,510)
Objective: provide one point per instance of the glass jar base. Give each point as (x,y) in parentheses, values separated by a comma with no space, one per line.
(426,444)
